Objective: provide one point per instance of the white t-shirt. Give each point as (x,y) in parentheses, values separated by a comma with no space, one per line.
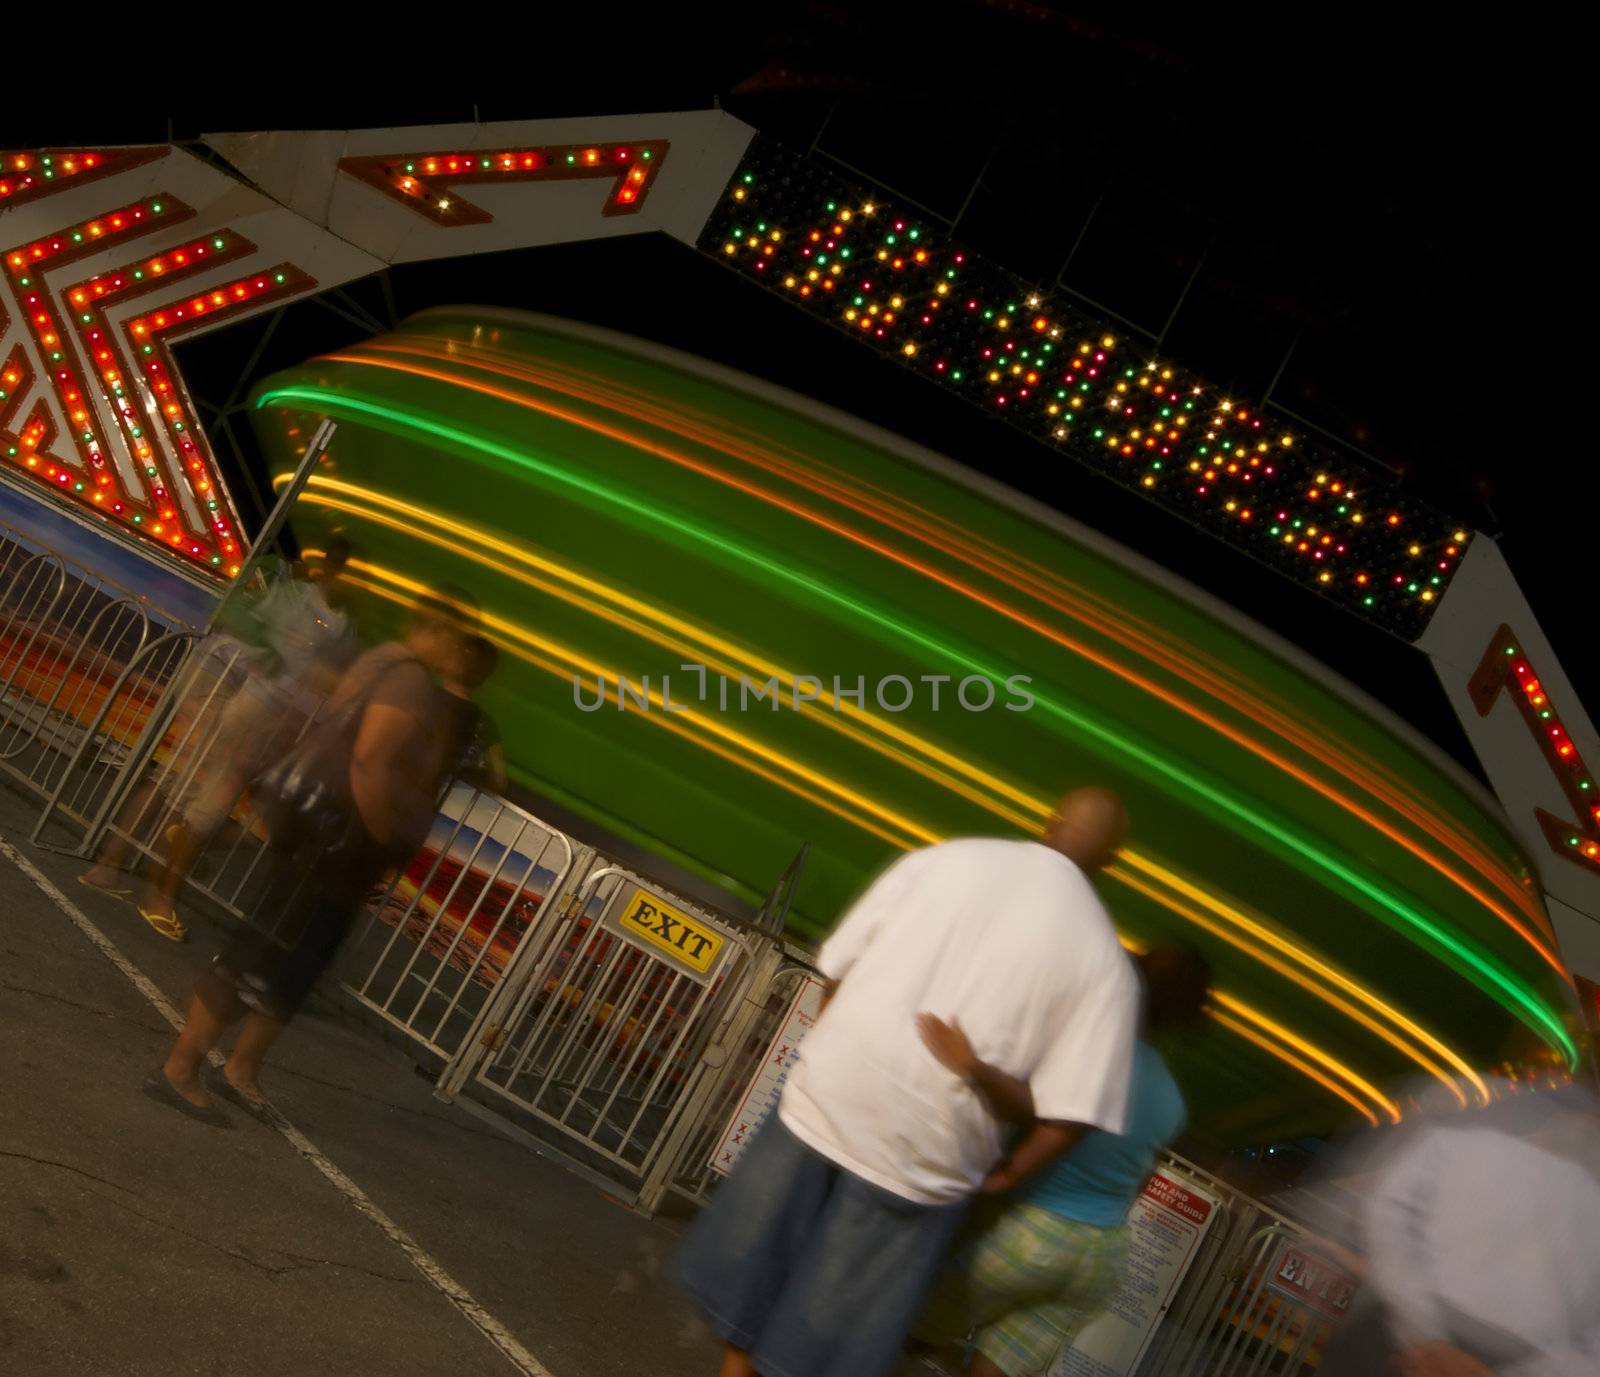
(299,627)
(1482,1240)
(1009,939)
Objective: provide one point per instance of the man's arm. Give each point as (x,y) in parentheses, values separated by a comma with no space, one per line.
(1008,1097)
(384,769)
(1045,1141)
(829,989)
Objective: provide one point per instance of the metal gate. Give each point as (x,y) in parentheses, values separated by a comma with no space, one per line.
(160,746)
(439,941)
(604,1035)
(767,1004)
(1248,1317)
(565,992)
(68,637)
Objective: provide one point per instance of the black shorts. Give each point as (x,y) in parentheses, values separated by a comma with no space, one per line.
(314,908)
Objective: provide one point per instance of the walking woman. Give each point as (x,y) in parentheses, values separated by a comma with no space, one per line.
(355,798)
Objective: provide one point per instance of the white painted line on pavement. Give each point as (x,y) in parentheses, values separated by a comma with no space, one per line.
(452,1290)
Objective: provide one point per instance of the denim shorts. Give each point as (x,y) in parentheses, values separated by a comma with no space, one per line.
(814,1271)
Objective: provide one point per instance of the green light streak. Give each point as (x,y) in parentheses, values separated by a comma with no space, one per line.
(1525,1004)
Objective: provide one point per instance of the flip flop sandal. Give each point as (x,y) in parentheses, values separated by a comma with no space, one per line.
(216,1082)
(158,1088)
(115,889)
(166,925)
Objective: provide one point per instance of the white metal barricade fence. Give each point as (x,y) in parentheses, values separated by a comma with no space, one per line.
(1266,1303)
(768,1003)
(163,753)
(69,638)
(31,588)
(104,753)
(605,1030)
(572,996)
(437,945)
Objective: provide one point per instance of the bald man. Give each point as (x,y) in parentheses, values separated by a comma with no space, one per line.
(814,1257)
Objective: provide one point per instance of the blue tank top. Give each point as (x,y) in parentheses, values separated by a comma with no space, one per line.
(1098,1181)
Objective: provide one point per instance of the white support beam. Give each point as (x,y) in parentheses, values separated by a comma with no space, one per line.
(1482,597)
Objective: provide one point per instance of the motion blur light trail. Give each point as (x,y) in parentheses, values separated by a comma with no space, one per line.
(1382,901)
(1135,860)
(1179,659)
(647,445)
(1281,1042)
(620,511)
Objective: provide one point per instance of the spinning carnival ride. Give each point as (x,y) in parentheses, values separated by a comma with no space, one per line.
(622,513)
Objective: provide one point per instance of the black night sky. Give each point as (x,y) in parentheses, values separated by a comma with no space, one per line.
(1364,220)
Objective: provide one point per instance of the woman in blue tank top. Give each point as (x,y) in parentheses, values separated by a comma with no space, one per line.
(1031,1270)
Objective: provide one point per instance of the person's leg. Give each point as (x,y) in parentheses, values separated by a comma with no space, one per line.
(274,981)
(196,692)
(214,1007)
(997,1264)
(1061,1274)
(243,1067)
(111,860)
(250,732)
(736,1363)
(857,1285)
(185,842)
(735,1259)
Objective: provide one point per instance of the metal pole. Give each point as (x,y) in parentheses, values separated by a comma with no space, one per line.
(1183,296)
(1266,397)
(1077,243)
(277,518)
(973,189)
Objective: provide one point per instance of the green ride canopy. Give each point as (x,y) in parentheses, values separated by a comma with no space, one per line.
(620,512)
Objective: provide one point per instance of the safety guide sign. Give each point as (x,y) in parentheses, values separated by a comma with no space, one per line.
(766,1086)
(1166,1225)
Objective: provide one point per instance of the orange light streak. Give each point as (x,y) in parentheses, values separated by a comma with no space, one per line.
(1067,642)
(914,832)
(1153,642)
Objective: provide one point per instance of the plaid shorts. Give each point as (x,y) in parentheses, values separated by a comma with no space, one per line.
(1020,1282)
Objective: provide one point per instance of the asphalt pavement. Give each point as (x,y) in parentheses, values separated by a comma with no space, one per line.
(399,1235)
